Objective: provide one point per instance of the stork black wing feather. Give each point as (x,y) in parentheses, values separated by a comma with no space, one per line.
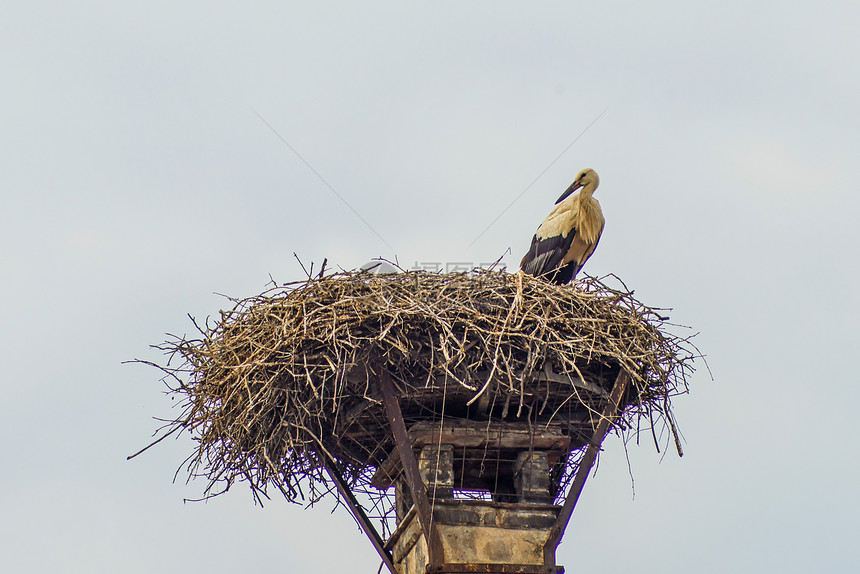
(545,255)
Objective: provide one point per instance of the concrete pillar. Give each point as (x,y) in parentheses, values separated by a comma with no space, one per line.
(436,467)
(531,477)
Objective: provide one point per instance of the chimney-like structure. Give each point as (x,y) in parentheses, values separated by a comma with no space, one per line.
(486,535)
(510,524)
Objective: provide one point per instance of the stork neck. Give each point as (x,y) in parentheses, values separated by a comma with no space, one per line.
(587,191)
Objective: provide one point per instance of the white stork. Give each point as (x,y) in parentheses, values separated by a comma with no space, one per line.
(569,235)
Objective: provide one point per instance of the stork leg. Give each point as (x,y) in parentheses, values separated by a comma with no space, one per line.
(518,298)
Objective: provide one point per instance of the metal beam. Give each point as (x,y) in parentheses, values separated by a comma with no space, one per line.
(608,415)
(410,470)
(359,514)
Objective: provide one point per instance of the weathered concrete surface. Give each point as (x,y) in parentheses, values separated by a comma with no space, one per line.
(476,532)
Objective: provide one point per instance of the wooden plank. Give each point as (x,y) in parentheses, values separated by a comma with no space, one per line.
(430,388)
(478,434)
(548,375)
(410,470)
(607,417)
(474,435)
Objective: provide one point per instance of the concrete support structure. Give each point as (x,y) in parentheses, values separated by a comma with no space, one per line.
(515,533)
(477,535)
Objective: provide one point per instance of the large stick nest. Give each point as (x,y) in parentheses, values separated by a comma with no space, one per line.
(287,377)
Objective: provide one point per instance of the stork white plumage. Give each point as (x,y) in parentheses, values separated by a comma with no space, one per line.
(570,233)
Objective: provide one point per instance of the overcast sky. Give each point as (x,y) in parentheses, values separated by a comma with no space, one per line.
(138,180)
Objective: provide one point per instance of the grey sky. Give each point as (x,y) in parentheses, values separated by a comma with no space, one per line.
(137,180)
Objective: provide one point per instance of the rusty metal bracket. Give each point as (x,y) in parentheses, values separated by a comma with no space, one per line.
(416,486)
(358,512)
(496,569)
(607,417)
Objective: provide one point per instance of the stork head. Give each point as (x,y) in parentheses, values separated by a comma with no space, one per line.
(587,179)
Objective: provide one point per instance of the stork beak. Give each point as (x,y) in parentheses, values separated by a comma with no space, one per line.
(573,187)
